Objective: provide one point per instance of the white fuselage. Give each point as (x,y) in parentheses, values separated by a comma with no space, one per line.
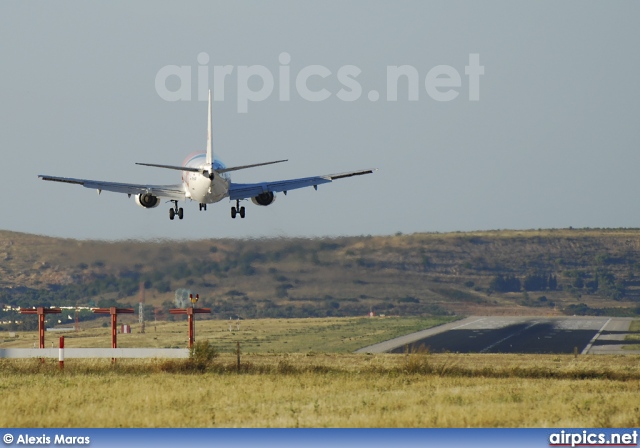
(200,188)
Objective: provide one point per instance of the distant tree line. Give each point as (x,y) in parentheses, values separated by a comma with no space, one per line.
(509,283)
(532,282)
(582,309)
(540,282)
(603,283)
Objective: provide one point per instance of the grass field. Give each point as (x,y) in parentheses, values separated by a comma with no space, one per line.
(327,390)
(301,373)
(335,335)
(633,338)
(634,329)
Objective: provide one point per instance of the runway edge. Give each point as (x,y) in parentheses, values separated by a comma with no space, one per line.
(383,347)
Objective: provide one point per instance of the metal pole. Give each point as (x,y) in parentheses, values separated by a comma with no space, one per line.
(193,301)
(114,329)
(41,325)
(41,328)
(61,352)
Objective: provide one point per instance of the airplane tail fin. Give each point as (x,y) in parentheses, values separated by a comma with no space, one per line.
(209,157)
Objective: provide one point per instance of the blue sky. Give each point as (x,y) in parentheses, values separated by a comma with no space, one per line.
(551,142)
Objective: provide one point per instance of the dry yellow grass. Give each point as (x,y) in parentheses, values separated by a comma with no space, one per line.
(329,391)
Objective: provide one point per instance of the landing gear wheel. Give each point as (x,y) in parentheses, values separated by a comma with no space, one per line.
(175,211)
(237,210)
(203,206)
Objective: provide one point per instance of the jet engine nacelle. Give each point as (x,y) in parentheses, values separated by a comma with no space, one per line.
(147,200)
(264,199)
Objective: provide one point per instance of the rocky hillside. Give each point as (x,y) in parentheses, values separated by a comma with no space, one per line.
(501,272)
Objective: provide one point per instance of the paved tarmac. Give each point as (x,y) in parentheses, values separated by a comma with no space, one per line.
(486,334)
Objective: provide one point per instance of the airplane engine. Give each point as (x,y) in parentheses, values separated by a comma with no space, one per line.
(147,200)
(264,199)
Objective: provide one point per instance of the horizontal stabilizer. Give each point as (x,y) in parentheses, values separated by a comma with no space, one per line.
(172,167)
(236,168)
(220,171)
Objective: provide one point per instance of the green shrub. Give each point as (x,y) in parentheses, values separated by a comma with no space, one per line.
(202,354)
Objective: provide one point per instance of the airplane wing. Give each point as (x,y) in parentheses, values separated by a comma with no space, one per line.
(163,191)
(246,191)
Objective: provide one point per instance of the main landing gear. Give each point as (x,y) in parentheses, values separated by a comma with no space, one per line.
(237,210)
(175,211)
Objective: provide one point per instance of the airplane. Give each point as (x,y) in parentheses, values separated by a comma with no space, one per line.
(205,179)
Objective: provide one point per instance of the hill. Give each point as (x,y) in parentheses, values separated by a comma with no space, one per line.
(587,271)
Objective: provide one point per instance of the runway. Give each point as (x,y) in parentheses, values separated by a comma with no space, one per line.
(594,335)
